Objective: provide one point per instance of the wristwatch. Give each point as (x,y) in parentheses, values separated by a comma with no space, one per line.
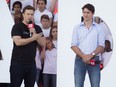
(93,54)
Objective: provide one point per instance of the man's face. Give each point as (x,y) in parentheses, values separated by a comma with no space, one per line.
(28,15)
(87,15)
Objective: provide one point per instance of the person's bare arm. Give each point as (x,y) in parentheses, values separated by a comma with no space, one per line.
(77,51)
(24,41)
(98,50)
(41,40)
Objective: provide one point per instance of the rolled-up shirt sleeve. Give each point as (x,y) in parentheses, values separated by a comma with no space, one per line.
(101,38)
(74,37)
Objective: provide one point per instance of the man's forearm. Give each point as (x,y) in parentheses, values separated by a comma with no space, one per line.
(41,41)
(99,49)
(77,51)
(20,42)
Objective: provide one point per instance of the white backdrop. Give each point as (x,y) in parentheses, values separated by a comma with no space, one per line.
(6,23)
(70,15)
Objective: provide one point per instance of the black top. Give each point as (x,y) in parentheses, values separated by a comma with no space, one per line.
(24,54)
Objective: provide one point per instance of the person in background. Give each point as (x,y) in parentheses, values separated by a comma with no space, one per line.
(24,3)
(87,43)
(105,57)
(49,54)
(41,9)
(53,35)
(17,15)
(39,61)
(45,20)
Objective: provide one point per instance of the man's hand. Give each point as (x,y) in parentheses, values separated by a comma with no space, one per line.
(86,58)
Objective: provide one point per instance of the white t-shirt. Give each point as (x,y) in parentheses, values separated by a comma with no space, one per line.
(106,57)
(24,3)
(55,17)
(46,32)
(38,14)
(48,5)
(50,62)
(55,43)
(38,60)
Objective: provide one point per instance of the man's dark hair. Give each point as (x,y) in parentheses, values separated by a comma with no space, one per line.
(17,3)
(90,7)
(28,7)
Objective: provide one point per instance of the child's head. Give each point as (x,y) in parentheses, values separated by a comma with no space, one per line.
(45,20)
(107,46)
(49,43)
(53,33)
(17,6)
(41,4)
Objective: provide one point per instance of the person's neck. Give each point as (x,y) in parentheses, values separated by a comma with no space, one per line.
(25,22)
(17,12)
(45,27)
(54,38)
(88,23)
(41,10)
(50,49)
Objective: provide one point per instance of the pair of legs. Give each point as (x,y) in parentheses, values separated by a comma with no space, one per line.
(20,72)
(80,72)
(39,78)
(49,80)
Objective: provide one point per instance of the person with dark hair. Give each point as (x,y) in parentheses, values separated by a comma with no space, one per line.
(105,57)
(41,10)
(23,66)
(39,63)
(54,35)
(49,54)
(87,43)
(17,15)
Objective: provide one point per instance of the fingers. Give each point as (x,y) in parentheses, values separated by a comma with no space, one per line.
(41,34)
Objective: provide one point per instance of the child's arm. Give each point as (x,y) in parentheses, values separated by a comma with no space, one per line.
(43,53)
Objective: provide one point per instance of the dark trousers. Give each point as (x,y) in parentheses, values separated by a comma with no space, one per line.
(49,80)
(20,72)
(4,84)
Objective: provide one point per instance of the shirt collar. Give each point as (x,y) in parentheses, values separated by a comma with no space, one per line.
(82,23)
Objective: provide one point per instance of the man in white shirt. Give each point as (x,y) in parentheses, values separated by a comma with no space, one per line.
(87,42)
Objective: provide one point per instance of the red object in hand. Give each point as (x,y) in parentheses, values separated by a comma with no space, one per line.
(30,26)
(101,66)
(92,62)
(7,1)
